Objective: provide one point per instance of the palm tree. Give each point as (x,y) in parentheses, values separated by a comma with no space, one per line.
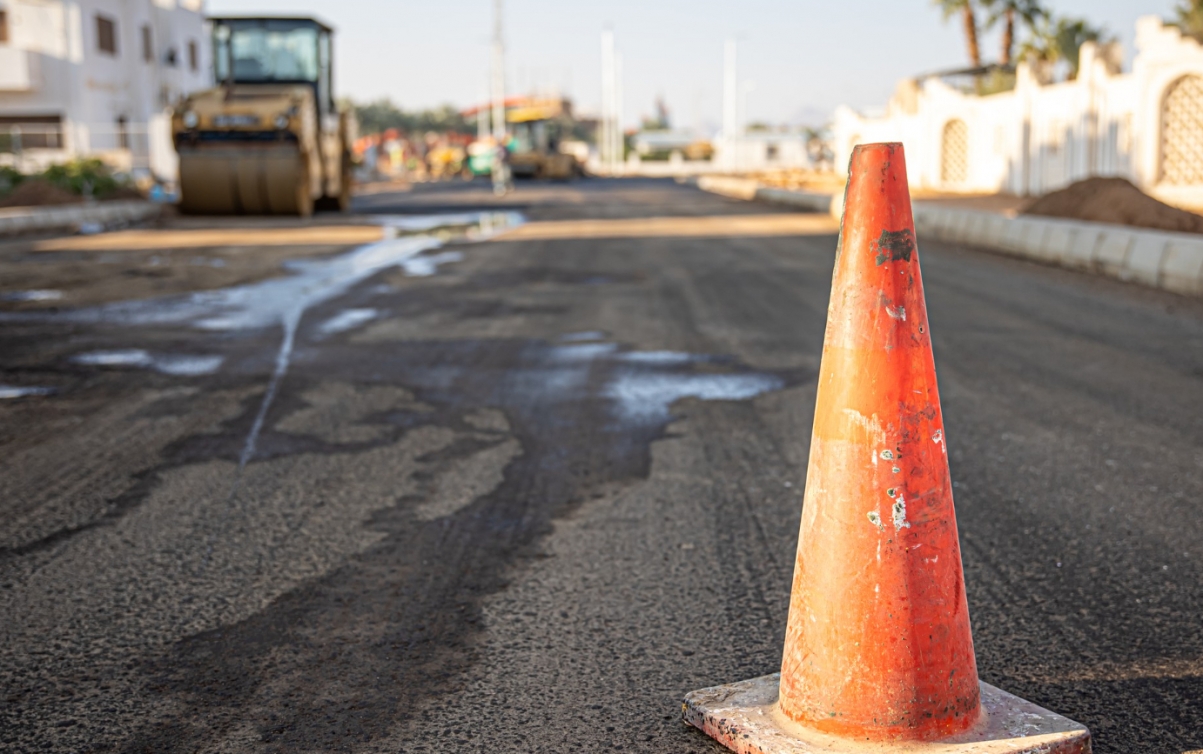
(1190,18)
(1062,40)
(1041,44)
(1028,11)
(965,9)
(1072,33)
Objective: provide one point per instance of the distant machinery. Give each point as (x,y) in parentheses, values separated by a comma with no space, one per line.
(268,139)
(539,128)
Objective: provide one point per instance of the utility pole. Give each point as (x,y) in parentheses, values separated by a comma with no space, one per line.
(745,88)
(498,74)
(730,92)
(501,168)
(606,127)
(617,132)
(482,115)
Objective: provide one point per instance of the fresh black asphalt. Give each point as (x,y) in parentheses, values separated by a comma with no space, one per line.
(536,497)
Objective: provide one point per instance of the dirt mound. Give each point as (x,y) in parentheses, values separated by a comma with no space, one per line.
(34,192)
(122,192)
(1116,201)
(37,192)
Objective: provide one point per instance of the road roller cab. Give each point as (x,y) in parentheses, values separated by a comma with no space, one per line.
(268,139)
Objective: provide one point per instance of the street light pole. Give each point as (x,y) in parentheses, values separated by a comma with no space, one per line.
(605,138)
(498,75)
(745,88)
(482,115)
(617,132)
(730,92)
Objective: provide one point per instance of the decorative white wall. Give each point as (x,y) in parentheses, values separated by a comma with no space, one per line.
(1145,125)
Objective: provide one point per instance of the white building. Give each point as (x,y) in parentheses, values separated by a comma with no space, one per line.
(96,77)
(762,150)
(1145,125)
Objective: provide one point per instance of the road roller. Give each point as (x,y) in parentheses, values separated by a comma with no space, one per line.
(538,126)
(268,139)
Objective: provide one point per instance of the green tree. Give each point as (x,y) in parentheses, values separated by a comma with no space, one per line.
(1190,18)
(1008,11)
(1061,39)
(1041,44)
(382,115)
(378,116)
(441,119)
(968,13)
(1072,34)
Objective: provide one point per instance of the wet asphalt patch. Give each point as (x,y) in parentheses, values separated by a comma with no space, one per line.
(566,420)
(584,415)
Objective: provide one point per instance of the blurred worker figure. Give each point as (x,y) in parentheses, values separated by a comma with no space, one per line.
(501,169)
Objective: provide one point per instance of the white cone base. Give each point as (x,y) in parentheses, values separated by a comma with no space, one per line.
(744,717)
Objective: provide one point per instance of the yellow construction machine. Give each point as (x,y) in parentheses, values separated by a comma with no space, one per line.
(268,139)
(538,127)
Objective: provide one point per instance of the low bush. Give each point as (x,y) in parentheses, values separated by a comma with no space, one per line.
(10,178)
(85,177)
(64,184)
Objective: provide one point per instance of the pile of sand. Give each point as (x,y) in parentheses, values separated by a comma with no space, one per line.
(1117,201)
(38,192)
(35,192)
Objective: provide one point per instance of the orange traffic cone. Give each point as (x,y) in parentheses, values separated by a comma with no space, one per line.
(878,647)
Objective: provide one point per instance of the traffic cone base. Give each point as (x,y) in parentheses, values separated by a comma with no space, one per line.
(746,718)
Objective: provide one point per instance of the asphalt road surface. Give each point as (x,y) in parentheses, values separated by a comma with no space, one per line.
(459,492)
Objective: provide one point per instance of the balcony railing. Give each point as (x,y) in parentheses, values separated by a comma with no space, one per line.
(126,145)
(14,138)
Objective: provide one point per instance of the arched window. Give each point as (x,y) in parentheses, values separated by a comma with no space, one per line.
(954,153)
(1182,132)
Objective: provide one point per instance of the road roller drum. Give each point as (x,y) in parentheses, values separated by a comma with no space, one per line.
(233,181)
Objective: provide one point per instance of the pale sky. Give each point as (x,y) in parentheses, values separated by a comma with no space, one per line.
(804,57)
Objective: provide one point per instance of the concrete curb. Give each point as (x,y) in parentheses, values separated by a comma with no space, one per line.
(744,188)
(832,204)
(1159,259)
(21,220)
(736,188)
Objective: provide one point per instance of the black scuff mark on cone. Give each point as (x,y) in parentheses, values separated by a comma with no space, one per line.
(894,245)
